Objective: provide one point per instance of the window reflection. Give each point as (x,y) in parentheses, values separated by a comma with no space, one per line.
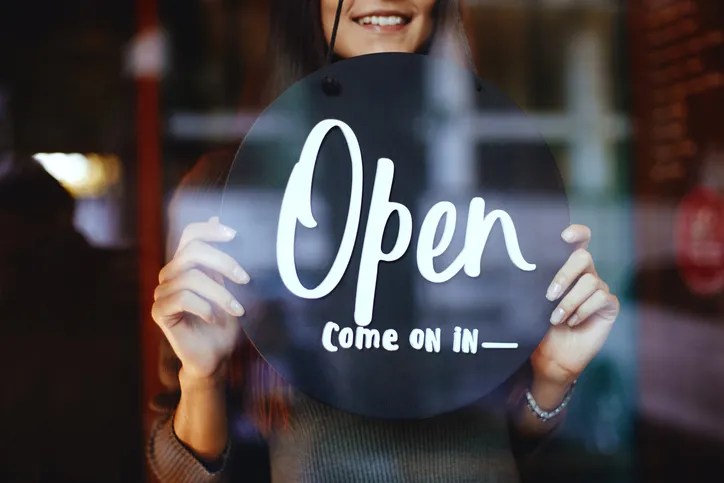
(628,94)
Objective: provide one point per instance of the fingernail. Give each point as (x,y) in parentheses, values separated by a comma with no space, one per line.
(214,219)
(568,235)
(236,308)
(572,320)
(229,232)
(553,291)
(240,275)
(557,316)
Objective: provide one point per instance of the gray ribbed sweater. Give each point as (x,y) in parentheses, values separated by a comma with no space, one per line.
(323,444)
(327,445)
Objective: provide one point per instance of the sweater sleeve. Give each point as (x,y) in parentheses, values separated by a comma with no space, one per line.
(170,460)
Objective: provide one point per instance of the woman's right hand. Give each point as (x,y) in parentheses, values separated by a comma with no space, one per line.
(193,308)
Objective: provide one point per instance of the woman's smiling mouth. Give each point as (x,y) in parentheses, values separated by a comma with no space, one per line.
(383,22)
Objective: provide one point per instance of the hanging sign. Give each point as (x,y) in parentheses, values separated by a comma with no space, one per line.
(401,222)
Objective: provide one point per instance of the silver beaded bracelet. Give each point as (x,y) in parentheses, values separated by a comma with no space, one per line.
(547,415)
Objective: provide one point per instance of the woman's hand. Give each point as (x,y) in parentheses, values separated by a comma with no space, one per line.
(582,319)
(193,308)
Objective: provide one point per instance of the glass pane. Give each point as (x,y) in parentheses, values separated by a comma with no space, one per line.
(126,126)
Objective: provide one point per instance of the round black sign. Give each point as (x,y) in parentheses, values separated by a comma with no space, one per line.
(401,222)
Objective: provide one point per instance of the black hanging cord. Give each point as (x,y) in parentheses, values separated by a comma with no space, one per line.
(337,15)
(331,86)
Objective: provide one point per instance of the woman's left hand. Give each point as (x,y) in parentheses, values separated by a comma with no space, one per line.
(581,321)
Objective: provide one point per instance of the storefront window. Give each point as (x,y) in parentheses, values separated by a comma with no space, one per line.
(122,123)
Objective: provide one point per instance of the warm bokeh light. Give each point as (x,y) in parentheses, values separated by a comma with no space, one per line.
(83,175)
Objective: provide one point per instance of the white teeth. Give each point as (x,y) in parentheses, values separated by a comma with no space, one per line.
(382,21)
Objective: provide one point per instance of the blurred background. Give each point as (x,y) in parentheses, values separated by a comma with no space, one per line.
(105,105)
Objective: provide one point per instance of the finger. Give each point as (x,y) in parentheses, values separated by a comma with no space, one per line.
(199,254)
(214,275)
(201,284)
(600,302)
(581,291)
(577,234)
(578,263)
(169,310)
(210,231)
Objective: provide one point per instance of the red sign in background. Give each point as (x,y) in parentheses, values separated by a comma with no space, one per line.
(699,233)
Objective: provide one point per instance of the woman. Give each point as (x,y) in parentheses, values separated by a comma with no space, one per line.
(309,441)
